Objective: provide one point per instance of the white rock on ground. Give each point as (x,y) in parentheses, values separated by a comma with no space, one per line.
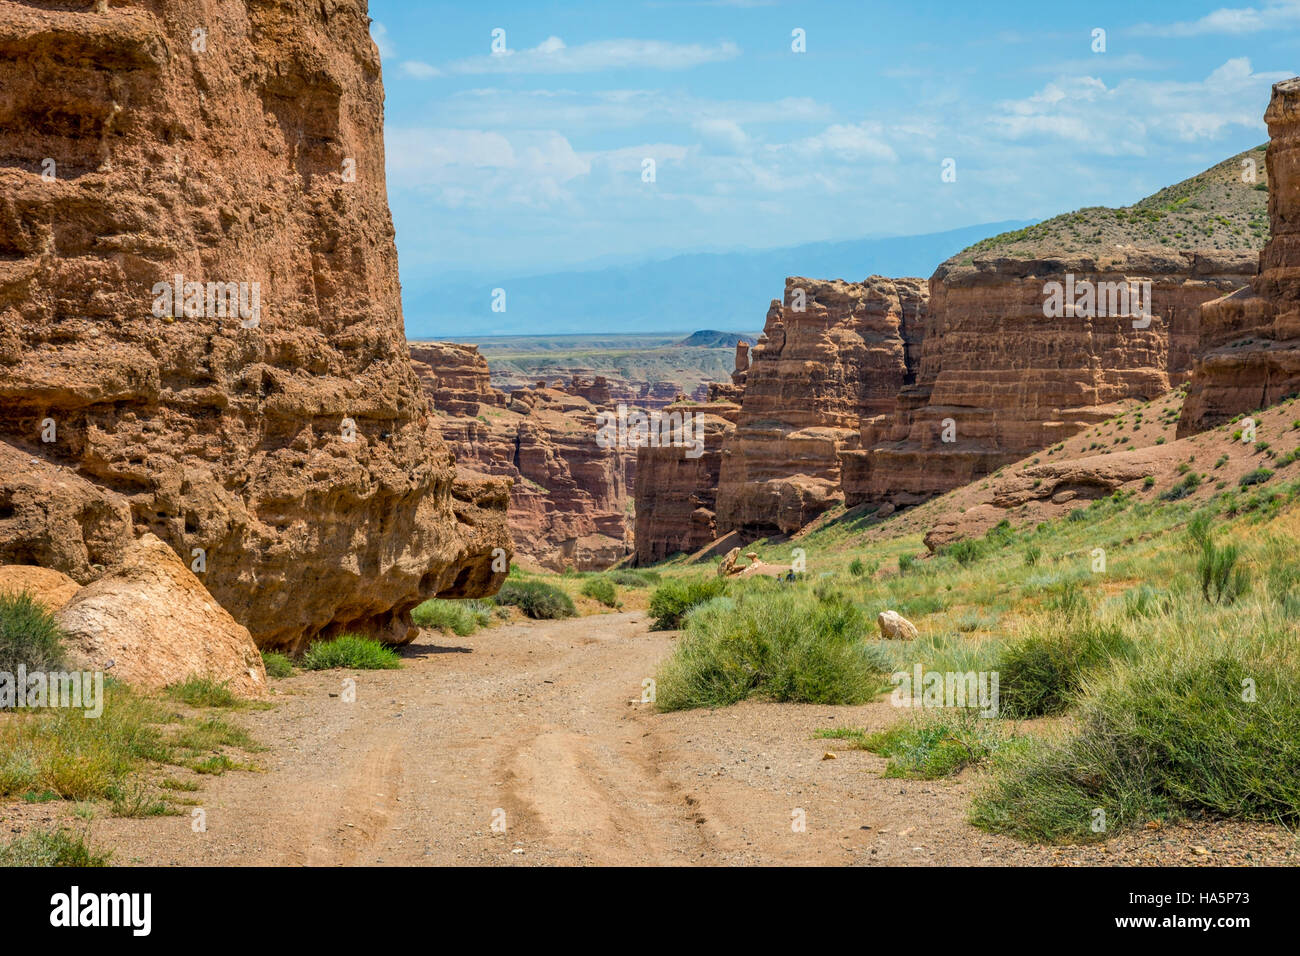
(154,619)
(895,627)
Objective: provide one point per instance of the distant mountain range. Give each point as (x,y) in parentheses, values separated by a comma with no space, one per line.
(713,339)
(711,290)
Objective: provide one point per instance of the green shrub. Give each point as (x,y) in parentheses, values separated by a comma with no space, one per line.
(50,848)
(29,635)
(1040,673)
(779,646)
(673,599)
(350,651)
(857,568)
(461,618)
(277,664)
(1222,578)
(965,551)
(906,563)
(1256,477)
(1190,483)
(1032,553)
(203,692)
(602,590)
(1167,738)
(936,746)
(1145,601)
(537,599)
(634,579)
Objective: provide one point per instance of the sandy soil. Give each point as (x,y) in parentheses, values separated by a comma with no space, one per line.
(542,720)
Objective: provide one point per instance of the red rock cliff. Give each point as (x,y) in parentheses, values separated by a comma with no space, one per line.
(234,143)
(832,354)
(676,489)
(570,498)
(1250,340)
(998,379)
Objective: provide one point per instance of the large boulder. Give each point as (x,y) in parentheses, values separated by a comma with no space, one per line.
(51,588)
(157,625)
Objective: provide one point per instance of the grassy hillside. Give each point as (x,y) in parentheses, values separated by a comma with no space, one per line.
(1212,210)
(1145,642)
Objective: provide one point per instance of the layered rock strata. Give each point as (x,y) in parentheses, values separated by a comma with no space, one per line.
(677,486)
(998,378)
(832,354)
(1250,340)
(570,498)
(200,326)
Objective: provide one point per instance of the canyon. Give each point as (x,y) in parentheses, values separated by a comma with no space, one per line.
(569,498)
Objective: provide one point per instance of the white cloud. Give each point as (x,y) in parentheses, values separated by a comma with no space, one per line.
(379,33)
(469,167)
(848,143)
(601,110)
(421,71)
(1136,115)
(553,56)
(1274,15)
(722,134)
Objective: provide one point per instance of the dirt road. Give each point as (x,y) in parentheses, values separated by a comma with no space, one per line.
(537,726)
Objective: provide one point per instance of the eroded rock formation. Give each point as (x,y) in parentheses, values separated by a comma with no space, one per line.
(832,354)
(200,327)
(676,490)
(570,498)
(1250,340)
(998,379)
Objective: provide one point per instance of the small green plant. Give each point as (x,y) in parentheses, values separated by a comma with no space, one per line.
(1032,554)
(857,568)
(940,746)
(203,692)
(1190,483)
(671,601)
(277,665)
(537,599)
(965,552)
(1040,673)
(29,635)
(350,651)
(461,618)
(774,645)
(1222,578)
(602,590)
(1256,477)
(906,563)
(47,848)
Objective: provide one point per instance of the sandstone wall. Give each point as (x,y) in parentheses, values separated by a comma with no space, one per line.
(676,495)
(224,155)
(569,498)
(1005,380)
(815,374)
(1250,340)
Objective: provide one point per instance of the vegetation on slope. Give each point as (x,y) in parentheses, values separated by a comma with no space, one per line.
(1216,209)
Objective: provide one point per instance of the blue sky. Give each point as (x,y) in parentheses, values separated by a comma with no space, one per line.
(531,161)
